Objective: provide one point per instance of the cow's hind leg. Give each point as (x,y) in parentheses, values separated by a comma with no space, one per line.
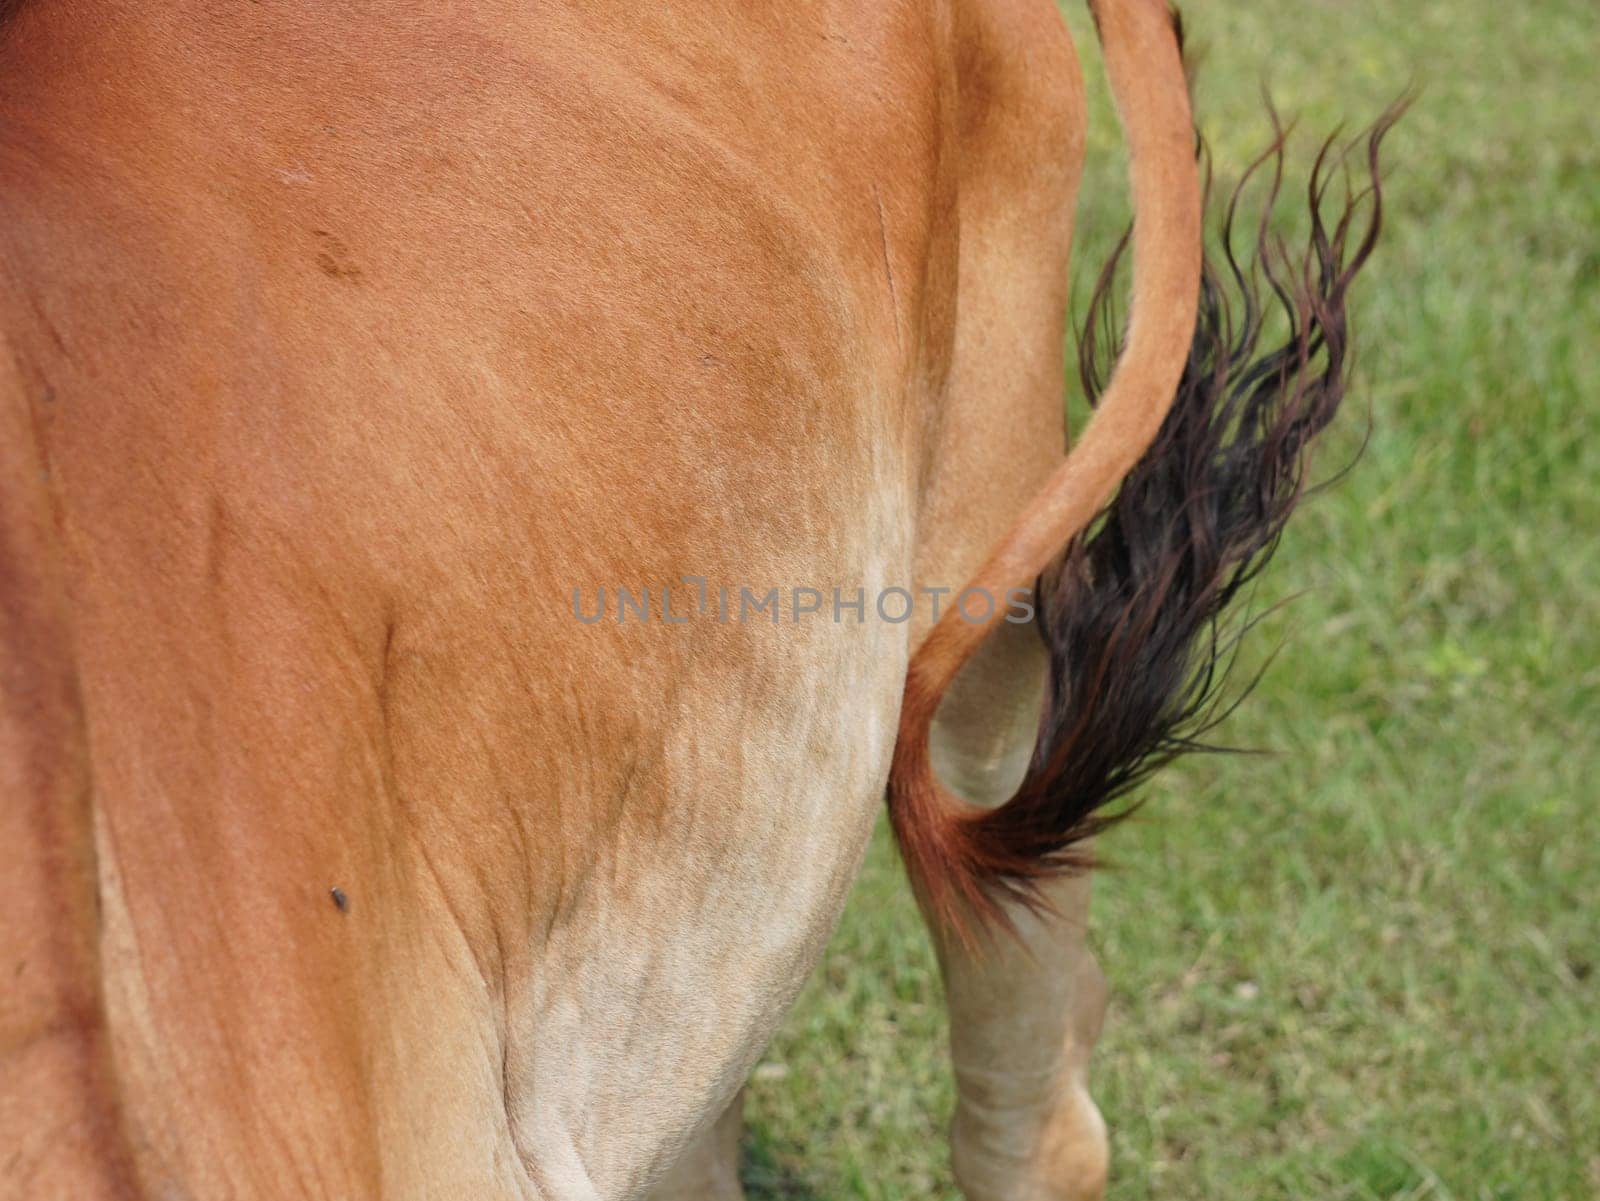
(1024,1014)
(1024,1017)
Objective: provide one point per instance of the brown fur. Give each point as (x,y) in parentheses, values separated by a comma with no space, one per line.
(350,340)
(340,343)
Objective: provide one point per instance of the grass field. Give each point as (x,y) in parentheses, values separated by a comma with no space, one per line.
(1364,966)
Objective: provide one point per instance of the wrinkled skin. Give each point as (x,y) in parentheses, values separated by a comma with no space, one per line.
(340,344)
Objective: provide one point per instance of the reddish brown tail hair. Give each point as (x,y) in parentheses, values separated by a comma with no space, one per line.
(1207,433)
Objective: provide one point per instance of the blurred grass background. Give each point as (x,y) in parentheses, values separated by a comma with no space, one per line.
(1365,966)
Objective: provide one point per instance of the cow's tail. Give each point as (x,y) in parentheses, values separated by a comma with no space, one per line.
(1206,433)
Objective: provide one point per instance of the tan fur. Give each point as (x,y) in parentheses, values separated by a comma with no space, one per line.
(340,345)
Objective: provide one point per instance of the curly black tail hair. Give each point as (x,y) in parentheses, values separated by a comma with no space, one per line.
(1134,611)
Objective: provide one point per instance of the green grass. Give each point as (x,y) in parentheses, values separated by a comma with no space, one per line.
(1365,966)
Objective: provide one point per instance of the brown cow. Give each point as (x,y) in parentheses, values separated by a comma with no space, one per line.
(346,348)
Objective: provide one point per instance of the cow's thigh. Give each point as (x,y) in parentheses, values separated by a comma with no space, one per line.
(1024,1016)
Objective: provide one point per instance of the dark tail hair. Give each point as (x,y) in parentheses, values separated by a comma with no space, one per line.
(1132,611)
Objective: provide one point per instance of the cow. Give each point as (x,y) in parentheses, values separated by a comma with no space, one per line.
(352,356)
